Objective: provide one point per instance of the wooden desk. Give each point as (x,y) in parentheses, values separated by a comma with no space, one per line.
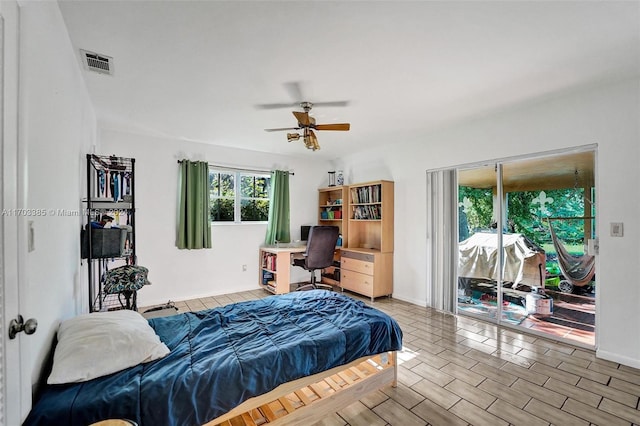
(276,261)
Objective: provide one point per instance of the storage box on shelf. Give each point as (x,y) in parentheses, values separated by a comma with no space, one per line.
(367,260)
(105,243)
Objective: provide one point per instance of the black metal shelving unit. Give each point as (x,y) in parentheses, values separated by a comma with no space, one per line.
(110,191)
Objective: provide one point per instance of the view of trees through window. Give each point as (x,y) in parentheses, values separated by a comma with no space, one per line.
(526,211)
(239,196)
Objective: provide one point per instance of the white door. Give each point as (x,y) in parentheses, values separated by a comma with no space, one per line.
(15,395)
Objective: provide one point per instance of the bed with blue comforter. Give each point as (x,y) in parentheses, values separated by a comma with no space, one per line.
(223,356)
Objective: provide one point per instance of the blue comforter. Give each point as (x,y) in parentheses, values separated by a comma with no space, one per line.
(223,356)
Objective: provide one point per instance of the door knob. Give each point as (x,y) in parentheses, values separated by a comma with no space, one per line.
(17,325)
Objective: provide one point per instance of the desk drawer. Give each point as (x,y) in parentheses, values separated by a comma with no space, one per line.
(367,257)
(355,281)
(357,265)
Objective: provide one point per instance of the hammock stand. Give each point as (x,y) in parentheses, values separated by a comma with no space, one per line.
(577,270)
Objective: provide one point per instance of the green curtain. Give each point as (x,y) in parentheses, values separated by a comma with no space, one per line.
(278,227)
(194,223)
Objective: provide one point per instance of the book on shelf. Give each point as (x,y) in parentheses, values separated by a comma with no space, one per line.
(267,277)
(367,213)
(269,261)
(365,194)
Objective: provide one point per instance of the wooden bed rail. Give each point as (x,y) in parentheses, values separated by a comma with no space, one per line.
(309,399)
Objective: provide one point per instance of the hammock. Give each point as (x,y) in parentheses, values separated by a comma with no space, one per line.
(578,270)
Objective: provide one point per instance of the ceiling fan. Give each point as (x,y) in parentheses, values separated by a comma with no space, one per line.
(307,124)
(295,92)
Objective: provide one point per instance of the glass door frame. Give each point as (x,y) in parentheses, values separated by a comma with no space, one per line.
(499,215)
(500,222)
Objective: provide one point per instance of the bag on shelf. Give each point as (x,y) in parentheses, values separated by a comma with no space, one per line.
(125,278)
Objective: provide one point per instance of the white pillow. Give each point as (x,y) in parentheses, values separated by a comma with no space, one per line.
(94,345)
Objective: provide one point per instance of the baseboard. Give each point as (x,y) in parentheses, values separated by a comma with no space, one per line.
(411,300)
(166,312)
(144,302)
(609,356)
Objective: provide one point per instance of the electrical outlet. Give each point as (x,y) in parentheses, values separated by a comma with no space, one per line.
(244,268)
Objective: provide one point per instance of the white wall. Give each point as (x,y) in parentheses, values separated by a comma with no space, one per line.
(57,128)
(186,274)
(605,116)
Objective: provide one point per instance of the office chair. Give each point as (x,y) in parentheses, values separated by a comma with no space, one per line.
(319,255)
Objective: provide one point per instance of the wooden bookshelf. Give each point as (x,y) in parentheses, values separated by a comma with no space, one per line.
(367,259)
(275,262)
(333,208)
(371,216)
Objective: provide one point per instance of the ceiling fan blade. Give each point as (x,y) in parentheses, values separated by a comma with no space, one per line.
(336,126)
(297,104)
(293,88)
(313,141)
(277,106)
(302,117)
(282,128)
(334,103)
(295,91)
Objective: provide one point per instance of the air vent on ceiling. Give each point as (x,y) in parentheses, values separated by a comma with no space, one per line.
(97,62)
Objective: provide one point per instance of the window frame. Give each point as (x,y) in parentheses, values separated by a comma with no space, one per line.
(237,194)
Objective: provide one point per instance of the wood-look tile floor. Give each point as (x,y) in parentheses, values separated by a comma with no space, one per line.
(455,370)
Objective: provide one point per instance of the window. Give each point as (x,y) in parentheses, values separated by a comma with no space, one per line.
(222,195)
(239,196)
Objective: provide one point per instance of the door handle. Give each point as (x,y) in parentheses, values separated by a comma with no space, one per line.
(17,325)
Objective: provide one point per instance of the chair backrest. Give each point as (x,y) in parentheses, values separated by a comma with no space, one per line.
(321,246)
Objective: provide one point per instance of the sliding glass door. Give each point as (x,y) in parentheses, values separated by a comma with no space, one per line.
(480,259)
(551,202)
(524,228)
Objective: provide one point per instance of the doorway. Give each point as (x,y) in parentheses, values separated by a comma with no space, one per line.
(526,224)
(15,392)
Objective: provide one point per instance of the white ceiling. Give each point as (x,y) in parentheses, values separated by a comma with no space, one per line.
(195,70)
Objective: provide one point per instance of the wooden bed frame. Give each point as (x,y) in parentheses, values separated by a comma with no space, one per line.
(309,399)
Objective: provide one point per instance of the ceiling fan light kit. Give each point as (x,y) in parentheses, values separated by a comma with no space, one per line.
(307,124)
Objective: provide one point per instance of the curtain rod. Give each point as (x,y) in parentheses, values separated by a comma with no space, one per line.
(242,169)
